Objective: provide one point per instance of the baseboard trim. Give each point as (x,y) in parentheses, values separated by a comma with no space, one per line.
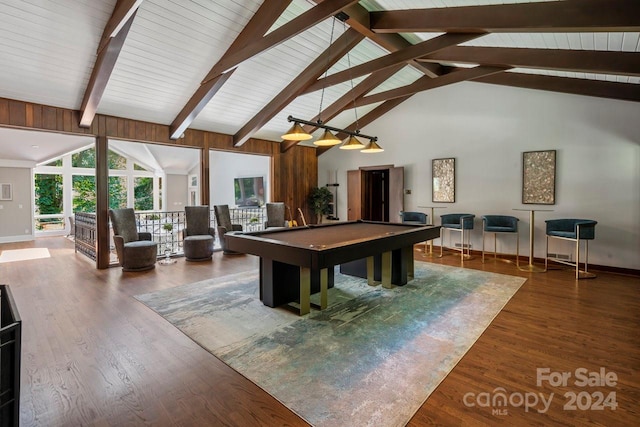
(523,259)
(14,239)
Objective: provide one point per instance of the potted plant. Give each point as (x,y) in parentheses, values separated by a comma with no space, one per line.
(319,201)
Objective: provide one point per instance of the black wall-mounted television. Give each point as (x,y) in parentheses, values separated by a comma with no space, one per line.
(249,192)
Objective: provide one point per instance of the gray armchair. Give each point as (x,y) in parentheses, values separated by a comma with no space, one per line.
(275,215)
(223,218)
(198,234)
(136,251)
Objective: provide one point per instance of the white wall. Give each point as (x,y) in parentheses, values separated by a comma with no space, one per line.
(486,128)
(16,218)
(225,166)
(176,192)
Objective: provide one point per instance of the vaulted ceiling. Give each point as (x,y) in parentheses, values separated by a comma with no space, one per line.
(241,67)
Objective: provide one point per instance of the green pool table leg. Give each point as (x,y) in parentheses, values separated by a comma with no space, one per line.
(305,290)
(324,286)
(370,279)
(386,270)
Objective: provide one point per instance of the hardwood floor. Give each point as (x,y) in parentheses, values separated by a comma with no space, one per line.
(93,355)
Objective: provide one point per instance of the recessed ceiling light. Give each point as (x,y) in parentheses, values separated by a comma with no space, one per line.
(35,146)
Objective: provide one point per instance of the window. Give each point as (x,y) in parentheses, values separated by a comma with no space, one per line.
(49,214)
(143,194)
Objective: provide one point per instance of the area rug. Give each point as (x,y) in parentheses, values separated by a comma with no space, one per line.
(370,359)
(12,255)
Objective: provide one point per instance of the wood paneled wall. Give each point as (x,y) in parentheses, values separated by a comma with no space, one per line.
(294,172)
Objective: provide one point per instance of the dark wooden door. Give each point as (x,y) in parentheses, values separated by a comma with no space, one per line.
(375,194)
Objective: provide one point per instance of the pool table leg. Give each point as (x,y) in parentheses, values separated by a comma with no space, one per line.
(370,271)
(305,290)
(386,270)
(324,286)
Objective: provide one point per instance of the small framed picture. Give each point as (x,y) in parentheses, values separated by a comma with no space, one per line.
(539,177)
(6,192)
(443,186)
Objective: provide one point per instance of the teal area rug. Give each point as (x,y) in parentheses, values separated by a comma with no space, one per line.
(371,358)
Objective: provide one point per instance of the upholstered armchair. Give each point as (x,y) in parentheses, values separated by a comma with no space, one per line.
(573,230)
(500,224)
(418,218)
(136,251)
(459,222)
(275,215)
(198,233)
(223,219)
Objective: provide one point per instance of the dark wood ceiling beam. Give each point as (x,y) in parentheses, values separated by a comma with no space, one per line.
(597,88)
(392,59)
(359,21)
(121,14)
(345,101)
(330,56)
(426,83)
(368,118)
(556,16)
(303,22)
(196,104)
(262,20)
(587,61)
(102,69)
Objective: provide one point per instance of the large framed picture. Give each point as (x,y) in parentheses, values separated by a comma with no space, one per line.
(443,186)
(539,177)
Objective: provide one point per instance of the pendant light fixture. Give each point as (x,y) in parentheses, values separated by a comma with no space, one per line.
(297,132)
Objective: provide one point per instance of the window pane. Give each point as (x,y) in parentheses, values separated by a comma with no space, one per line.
(160,193)
(84,159)
(116,161)
(84,193)
(48,201)
(57,162)
(117,192)
(143,192)
(48,194)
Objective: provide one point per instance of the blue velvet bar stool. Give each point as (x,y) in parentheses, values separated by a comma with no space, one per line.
(573,230)
(459,222)
(500,224)
(416,218)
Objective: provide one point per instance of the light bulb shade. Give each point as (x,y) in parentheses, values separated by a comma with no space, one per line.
(372,147)
(296,133)
(327,139)
(352,143)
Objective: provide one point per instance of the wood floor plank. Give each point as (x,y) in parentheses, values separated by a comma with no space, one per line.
(93,355)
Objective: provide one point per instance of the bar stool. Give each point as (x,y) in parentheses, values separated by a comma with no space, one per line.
(416,218)
(500,224)
(457,222)
(573,230)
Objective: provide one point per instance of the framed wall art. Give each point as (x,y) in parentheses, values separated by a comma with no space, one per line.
(6,192)
(443,186)
(539,177)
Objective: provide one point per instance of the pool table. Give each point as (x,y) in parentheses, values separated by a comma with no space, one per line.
(298,261)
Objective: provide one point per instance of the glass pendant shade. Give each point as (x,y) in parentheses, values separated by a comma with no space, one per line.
(352,143)
(296,133)
(327,139)
(372,147)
